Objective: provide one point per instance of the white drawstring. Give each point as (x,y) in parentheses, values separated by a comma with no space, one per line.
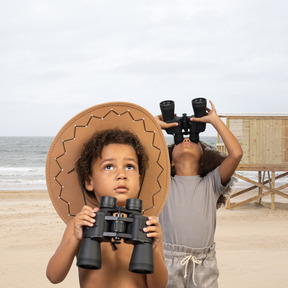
(185,262)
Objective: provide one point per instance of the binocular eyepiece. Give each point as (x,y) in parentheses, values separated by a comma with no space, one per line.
(185,126)
(112,226)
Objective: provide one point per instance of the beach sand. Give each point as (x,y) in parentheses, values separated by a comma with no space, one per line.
(251,243)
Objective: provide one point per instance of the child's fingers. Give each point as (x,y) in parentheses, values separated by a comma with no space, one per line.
(163,124)
(85,217)
(152,233)
(85,221)
(155,237)
(152,220)
(153,228)
(150,229)
(88,210)
(212,105)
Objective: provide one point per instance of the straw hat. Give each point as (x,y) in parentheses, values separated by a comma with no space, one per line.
(62,179)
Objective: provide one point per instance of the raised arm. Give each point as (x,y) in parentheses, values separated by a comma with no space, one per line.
(235,153)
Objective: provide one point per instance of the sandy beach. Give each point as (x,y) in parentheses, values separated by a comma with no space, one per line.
(251,243)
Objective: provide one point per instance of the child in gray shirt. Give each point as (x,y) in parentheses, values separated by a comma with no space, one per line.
(201,178)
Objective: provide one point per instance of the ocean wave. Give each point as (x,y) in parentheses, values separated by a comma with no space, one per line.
(22,178)
(22,184)
(21,169)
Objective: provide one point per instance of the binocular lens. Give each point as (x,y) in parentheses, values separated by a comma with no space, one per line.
(167,104)
(199,107)
(142,259)
(108,202)
(89,256)
(134,204)
(167,109)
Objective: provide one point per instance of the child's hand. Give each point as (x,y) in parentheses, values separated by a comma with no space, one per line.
(163,124)
(211,114)
(153,230)
(84,218)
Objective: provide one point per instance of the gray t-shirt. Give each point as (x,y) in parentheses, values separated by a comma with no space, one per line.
(189,215)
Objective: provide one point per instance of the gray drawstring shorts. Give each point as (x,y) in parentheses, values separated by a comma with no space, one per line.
(188,267)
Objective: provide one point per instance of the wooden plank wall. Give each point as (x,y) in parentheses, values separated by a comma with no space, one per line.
(264,141)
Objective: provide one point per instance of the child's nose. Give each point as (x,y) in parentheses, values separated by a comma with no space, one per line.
(186,140)
(121,174)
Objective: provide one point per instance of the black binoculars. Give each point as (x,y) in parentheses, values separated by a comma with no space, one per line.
(112,226)
(185,126)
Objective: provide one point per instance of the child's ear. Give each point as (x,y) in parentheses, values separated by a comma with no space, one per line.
(89,184)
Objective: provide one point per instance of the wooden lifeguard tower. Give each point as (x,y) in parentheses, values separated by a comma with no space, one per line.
(264,140)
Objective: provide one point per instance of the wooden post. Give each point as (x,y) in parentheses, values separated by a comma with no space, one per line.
(273,193)
(260,189)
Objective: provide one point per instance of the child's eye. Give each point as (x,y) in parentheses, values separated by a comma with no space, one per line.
(108,167)
(130,167)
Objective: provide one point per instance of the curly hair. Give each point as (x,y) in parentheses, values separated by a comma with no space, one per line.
(210,160)
(92,150)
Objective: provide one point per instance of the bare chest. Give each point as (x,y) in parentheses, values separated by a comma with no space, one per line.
(114,270)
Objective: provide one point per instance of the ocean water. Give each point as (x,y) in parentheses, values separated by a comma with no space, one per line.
(23,160)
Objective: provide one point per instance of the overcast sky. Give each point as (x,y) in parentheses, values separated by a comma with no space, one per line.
(58,58)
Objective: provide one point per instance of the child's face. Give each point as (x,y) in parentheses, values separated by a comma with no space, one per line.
(115,173)
(187,150)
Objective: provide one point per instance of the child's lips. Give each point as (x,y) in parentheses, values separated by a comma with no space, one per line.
(121,189)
